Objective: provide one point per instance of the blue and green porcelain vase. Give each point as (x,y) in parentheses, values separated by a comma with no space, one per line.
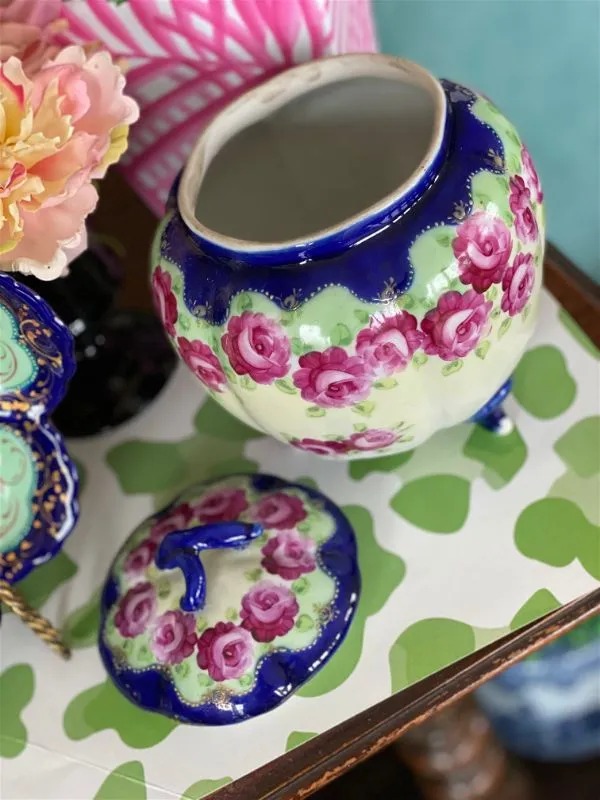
(548,707)
(38,482)
(220,606)
(352,257)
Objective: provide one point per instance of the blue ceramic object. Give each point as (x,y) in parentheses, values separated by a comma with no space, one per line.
(220,606)
(38,481)
(548,707)
(352,257)
(36,353)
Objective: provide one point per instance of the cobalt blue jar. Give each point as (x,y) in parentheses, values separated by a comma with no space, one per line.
(352,257)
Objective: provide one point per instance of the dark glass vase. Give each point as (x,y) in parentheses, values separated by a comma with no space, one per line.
(123,356)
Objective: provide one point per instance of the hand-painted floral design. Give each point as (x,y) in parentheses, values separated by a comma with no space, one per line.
(140,557)
(279,510)
(526,225)
(373,439)
(289,555)
(321,447)
(518,284)
(482,247)
(268,610)
(136,610)
(388,345)
(454,328)
(257,346)
(221,505)
(164,299)
(176,519)
(203,362)
(531,177)
(173,637)
(225,651)
(332,378)
(520,196)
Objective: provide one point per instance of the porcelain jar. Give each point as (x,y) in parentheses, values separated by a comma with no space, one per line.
(352,257)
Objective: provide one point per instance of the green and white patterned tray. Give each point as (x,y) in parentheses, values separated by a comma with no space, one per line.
(460,542)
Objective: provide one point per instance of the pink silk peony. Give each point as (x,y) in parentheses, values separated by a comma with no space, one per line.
(27,31)
(58,132)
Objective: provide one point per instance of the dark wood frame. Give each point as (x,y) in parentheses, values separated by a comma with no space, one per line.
(307,768)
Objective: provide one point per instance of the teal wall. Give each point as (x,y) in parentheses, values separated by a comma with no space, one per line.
(539,61)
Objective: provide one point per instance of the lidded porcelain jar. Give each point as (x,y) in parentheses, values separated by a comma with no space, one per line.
(352,257)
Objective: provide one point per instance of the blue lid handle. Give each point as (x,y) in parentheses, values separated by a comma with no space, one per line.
(182,549)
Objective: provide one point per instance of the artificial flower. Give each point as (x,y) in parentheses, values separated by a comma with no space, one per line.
(58,132)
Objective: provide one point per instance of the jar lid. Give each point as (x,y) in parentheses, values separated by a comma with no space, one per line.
(36,358)
(38,495)
(220,606)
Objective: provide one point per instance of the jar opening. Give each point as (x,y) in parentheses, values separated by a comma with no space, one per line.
(312,152)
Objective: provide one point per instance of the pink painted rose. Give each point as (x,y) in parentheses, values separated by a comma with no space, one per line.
(165,301)
(173,637)
(520,196)
(279,510)
(454,328)
(332,379)
(268,610)
(518,284)
(136,610)
(177,519)
(526,225)
(373,439)
(222,505)
(28,29)
(226,651)
(203,363)
(482,247)
(531,177)
(389,343)
(140,557)
(60,130)
(289,555)
(257,346)
(320,447)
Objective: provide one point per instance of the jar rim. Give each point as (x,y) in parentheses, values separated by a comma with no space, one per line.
(279,91)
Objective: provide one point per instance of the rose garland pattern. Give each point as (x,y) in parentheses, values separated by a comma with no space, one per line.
(227,649)
(489,258)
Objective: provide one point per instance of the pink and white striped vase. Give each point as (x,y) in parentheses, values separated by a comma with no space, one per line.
(189,58)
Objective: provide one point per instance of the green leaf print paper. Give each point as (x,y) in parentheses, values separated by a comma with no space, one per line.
(460,541)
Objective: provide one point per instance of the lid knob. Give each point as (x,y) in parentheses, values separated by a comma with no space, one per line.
(182,548)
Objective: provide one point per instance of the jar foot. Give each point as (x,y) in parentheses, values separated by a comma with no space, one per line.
(492,416)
